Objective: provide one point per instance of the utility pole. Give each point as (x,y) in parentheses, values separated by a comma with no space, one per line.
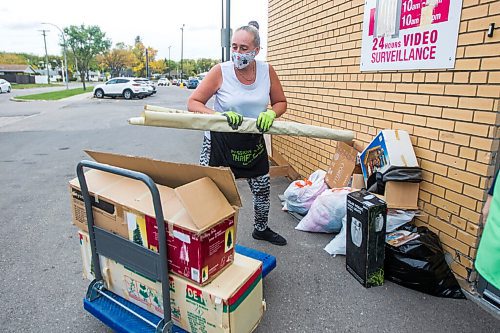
(65,60)
(182,50)
(228,29)
(222,29)
(147,64)
(46,55)
(169,60)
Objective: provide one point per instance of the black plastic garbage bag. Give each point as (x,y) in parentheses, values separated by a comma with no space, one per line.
(420,265)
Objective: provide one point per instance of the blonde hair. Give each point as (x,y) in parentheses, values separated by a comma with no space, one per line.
(252,28)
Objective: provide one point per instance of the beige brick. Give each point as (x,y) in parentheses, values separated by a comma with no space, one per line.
(454,243)
(471,128)
(463,176)
(458,222)
(451,149)
(463,200)
(474,192)
(485,117)
(461,77)
(444,101)
(437,146)
(460,89)
(470,216)
(444,215)
(482,22)
(435,89)
(494,8)
(424,143)
(457,114)
(443,226)
(459,270)
(478,168)
(415,120)
(446,77)
(483,50)
(475,12)
(432,188)
(425,153)
(430,111)
(478,77)
(431,77)
(471,38)
(405,108)
(485,157)
(494,77)
(467,64)
(490,63)
(448,183)
(488,91)
(481,143)
(475,103)
(468,153)
(417,99)
(443,124)
(452,161)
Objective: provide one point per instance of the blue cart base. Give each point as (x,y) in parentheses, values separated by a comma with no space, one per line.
(120,320)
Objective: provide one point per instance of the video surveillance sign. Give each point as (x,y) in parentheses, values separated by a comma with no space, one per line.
(410,34)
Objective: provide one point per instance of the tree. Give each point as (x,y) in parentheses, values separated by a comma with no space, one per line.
(117,60)
(12,59)
(205,64)
(139,52)
(86,43)
(137,236)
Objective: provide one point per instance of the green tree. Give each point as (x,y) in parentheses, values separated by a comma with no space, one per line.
(86,43)
(205,64)
(137,236)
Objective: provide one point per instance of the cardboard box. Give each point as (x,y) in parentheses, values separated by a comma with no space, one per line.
(389,149)
(232,303)
(200,219)
(343,164)
(401,195)
(366,220)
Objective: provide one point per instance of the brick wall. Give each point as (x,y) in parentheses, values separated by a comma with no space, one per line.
(451,115)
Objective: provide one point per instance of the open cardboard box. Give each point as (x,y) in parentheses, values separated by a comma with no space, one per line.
(401,195)
(200,207)
(231,303)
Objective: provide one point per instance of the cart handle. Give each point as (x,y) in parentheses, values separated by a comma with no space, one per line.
(159,220)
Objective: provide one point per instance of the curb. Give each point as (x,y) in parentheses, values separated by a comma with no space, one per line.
(14,99)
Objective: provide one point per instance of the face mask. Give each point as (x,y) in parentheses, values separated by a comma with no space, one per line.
(242,60)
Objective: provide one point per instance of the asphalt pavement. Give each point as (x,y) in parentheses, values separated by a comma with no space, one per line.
(41,274)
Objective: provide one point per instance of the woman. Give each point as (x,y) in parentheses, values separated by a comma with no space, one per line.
(243,87)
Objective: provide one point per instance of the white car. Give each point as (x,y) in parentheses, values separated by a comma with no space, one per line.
(5,86)
(122,86)
(163,82)
(150,84)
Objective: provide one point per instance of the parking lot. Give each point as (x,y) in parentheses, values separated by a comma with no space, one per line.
(42,286)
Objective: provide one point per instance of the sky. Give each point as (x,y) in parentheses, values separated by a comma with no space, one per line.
(157,22)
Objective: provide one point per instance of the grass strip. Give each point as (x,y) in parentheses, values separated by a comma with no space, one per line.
(55,95)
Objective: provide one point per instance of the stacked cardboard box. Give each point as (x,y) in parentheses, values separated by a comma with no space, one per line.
(200,207)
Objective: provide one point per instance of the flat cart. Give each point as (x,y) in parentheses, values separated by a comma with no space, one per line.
(114,311)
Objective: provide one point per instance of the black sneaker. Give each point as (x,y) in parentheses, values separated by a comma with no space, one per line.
(270,236)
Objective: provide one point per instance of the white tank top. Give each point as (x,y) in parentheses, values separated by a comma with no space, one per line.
(247,100)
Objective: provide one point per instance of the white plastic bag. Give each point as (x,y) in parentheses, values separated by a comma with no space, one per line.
(300,194)
(397,218)
(338,244)
(326,212)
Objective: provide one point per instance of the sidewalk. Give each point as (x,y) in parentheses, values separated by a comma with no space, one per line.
(310,291)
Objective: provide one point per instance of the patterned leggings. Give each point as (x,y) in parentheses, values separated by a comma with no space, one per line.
(260,187)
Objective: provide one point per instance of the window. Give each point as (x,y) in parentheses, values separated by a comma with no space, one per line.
(111,81)
(122,81)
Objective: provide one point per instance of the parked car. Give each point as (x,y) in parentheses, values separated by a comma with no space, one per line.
(150,84)
(5,86)
(121,86)
(175,82)
(192,83)
(163,82)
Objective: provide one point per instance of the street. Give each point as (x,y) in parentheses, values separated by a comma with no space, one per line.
(41,275)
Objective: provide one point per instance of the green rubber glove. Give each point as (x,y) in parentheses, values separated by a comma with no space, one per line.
(265,120)
(233,119)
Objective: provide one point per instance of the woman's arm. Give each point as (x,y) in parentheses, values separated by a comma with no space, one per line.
(277,96)
(207,88)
